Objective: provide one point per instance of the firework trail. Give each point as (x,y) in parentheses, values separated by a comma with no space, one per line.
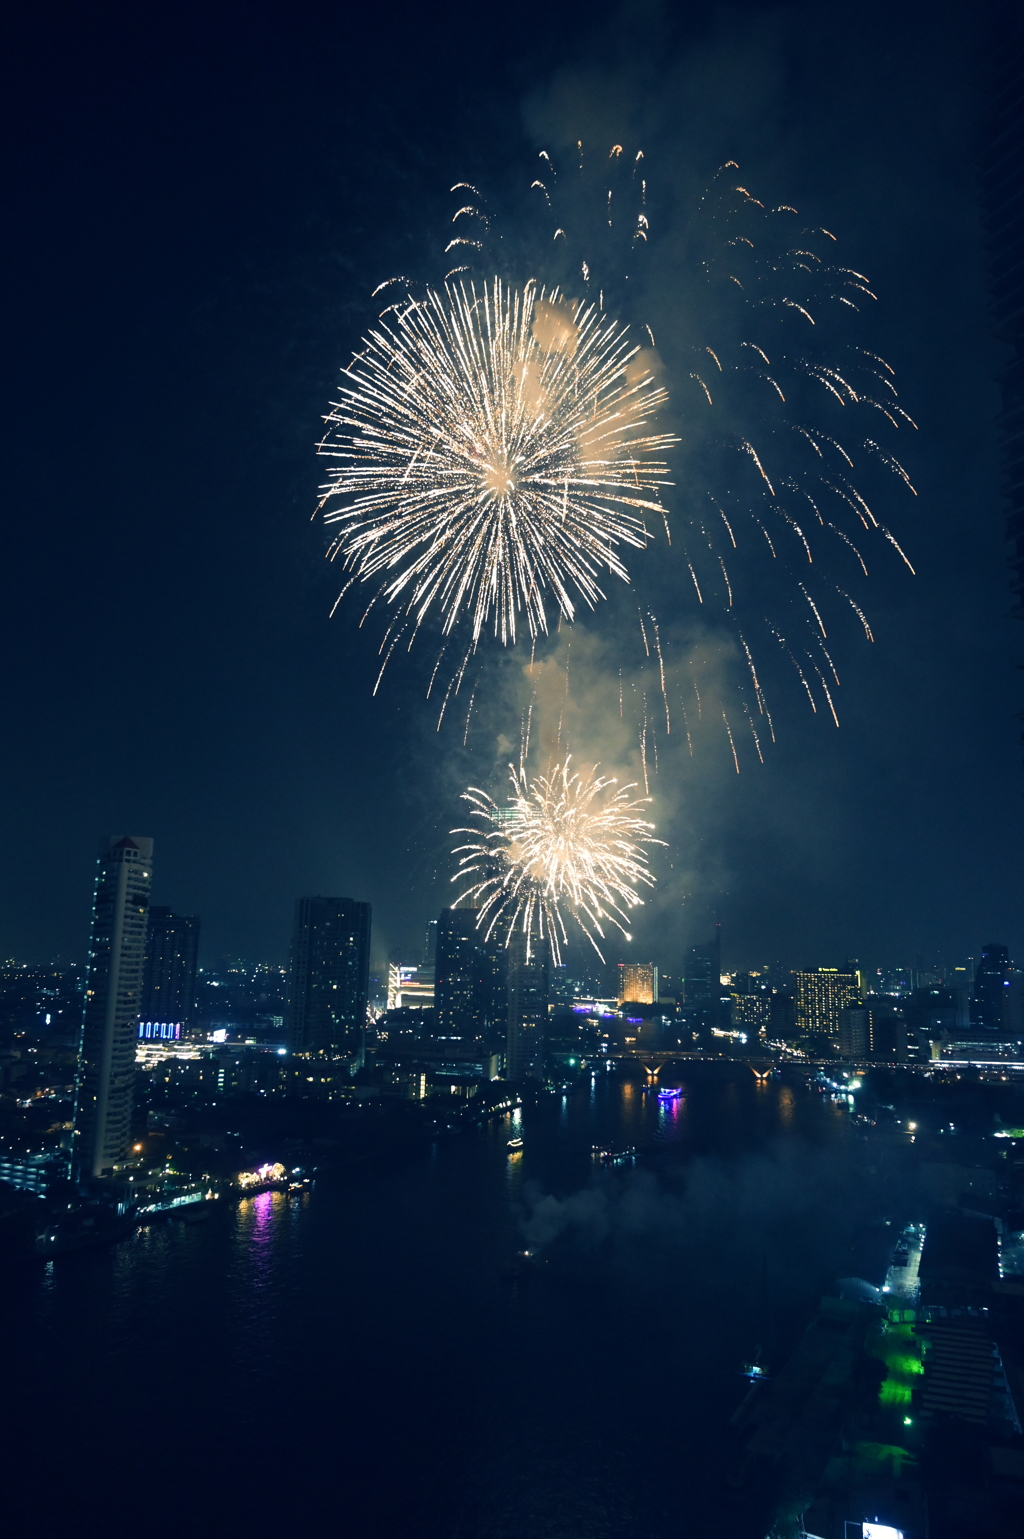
(567,845)
(779,473)
(493,454)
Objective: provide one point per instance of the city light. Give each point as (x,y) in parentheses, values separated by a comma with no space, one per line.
(264,1175)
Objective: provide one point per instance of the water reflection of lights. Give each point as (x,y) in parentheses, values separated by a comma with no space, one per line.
(263,1207)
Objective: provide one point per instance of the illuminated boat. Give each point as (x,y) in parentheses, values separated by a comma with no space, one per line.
(515,1144)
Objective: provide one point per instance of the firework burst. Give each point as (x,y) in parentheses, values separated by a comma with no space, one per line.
(566,845)
(493,453)
(789,428)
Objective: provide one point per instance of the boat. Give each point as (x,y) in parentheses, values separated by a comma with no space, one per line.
(515,1144)
(522,1265)
(83,1229)
(613,1156)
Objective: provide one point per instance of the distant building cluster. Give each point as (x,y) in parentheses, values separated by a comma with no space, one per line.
(143,1031)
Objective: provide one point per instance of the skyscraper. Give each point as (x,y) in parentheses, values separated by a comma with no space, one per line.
(702,970)
(469,980)
(330,974)
(169,979)
(527,1008)
(117,946)
(1001,161)
(821,996)
(990,998)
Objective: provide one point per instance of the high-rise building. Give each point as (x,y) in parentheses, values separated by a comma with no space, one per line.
(990,999)
(528,969)
(113,993)
(469,980)
(329,983)
(1001,167)
(169,977)
(702,971)
(855,1035)
(820,997)
(638,983)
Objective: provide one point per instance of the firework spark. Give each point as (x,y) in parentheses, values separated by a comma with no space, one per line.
(567,844)
(493,454)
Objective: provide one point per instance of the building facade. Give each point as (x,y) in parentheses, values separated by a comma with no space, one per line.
(113,995)
(410,988)
(638,983)
(990,999)
(469,980)
(172,956)
(329,983)
(821,996)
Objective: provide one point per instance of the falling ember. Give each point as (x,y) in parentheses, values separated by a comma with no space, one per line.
(567,845)
(492,454)
(732,745)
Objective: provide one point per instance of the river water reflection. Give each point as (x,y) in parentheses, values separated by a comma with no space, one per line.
(369,1359)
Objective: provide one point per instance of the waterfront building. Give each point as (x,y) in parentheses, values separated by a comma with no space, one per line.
(638,983)
(329,985)
(528,972)
(855,1035)
(751,1013)
(820,997)
(117,947)
(169,976)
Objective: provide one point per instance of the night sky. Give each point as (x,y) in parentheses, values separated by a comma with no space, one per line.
(199,201)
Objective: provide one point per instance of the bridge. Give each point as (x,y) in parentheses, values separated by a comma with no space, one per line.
(654,1061)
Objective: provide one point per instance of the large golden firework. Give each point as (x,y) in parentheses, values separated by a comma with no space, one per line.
(493,452)
(567,844)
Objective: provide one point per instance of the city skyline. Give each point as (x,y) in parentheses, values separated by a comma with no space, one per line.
(902,829)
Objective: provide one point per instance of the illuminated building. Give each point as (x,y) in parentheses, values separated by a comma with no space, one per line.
(410,988)
(169,977)
(752,1013)
(638,983)
(527,1008)
(117,948)
(820,997)
(329,983)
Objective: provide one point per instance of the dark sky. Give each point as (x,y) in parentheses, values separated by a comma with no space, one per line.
(198,201)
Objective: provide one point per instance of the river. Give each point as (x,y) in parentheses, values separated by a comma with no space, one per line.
(367,1359)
